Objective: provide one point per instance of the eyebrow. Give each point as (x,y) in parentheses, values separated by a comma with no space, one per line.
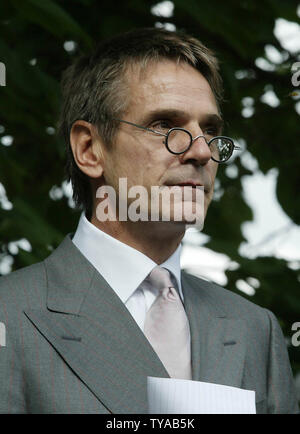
(209,118)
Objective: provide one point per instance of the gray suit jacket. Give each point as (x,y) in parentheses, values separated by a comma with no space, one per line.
(73,347)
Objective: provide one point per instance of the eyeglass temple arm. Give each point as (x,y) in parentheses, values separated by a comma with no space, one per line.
(142,128)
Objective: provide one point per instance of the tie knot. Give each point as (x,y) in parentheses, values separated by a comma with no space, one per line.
(160,278)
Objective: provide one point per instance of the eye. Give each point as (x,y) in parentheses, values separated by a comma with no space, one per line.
(211,131)
(161,125)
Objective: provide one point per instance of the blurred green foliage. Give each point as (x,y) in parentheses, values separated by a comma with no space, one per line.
(33,34)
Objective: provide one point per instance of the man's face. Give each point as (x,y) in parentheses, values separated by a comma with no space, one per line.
(165,96)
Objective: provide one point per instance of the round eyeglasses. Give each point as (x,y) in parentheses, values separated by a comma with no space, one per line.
(179,140)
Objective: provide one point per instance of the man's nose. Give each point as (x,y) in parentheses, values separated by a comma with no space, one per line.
(199,151)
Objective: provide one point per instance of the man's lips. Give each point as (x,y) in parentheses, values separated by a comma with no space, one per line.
(188,183)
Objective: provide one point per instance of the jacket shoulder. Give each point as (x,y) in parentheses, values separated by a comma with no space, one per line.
(24,287)
(234,305)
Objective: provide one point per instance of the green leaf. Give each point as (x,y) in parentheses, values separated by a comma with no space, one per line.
(53,18)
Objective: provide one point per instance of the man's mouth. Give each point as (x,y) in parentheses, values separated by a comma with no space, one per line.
(193,184)
(190,184)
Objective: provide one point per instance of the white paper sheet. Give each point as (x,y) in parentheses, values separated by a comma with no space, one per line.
(173,396)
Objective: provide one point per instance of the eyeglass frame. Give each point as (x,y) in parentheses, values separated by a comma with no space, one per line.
(233,148)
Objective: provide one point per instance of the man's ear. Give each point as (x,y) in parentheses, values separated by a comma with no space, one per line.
(87,148)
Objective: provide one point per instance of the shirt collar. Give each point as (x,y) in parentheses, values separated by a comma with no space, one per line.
(123,267)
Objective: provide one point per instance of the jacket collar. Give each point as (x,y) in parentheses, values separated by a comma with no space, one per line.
(69,277)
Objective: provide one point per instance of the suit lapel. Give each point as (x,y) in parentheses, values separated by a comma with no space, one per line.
(218,342)
(95,334)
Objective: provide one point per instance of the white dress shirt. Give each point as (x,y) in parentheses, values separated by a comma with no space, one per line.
(123,267)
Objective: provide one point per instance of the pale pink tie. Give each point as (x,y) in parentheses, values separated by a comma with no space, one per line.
(167,327)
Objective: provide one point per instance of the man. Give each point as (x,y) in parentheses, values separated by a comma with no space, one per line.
(81,332)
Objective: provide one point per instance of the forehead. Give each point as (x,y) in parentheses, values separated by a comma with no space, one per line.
(170,85)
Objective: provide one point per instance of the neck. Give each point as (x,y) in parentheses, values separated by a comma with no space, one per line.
(157,240)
